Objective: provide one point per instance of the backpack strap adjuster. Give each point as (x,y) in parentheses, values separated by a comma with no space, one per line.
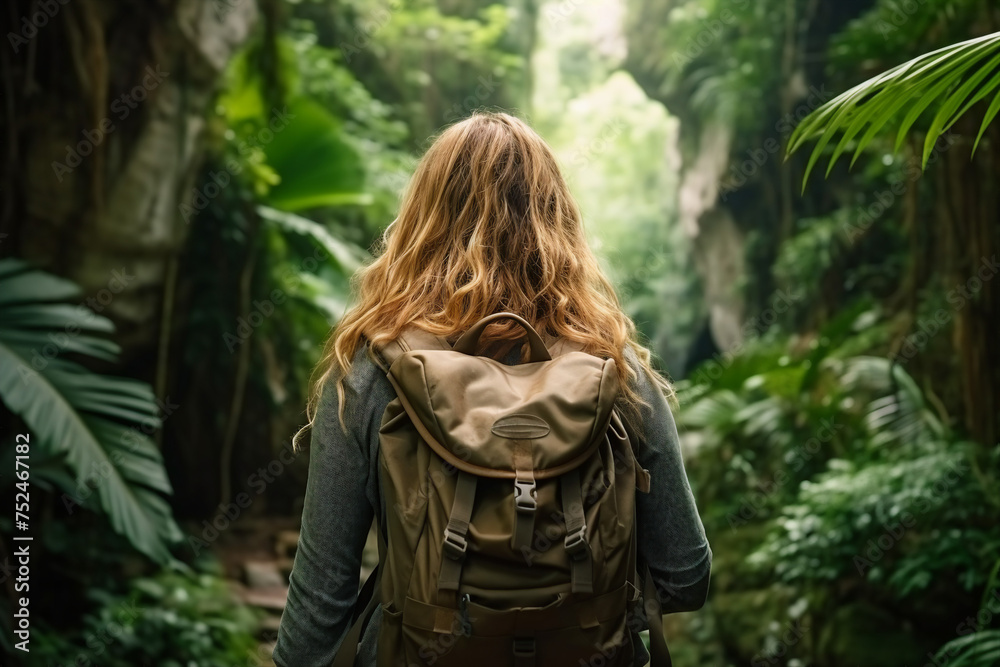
(456,533)
(577,548)
(576,544)
(524,651)
(455,544)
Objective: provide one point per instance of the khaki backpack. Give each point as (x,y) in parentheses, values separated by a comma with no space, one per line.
(510,512)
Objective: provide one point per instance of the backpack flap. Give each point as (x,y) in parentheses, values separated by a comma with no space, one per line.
(492,420)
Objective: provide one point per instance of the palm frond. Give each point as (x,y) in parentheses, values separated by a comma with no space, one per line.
(899,411)
(954,78)
(979,649)
(92,421)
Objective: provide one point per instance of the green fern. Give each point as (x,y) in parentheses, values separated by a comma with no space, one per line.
(91,420)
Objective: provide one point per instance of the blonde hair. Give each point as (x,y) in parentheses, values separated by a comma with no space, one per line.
(486,225)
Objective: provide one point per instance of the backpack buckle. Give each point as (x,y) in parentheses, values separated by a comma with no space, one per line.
(455,544)
(524,647)
(524,495)
(576,543)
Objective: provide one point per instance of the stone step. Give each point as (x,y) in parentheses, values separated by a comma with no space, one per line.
(272,598)
(269,626)
(263,574)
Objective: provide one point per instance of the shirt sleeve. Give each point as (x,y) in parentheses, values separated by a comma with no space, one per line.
(340,502)
(670,535)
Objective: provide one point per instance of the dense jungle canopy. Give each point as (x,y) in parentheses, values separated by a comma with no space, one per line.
(187,187)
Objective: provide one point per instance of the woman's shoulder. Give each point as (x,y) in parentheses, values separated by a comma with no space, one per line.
(654,389)
(639,362)
(364,384)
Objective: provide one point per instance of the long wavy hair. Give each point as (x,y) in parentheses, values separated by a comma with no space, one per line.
(486,225)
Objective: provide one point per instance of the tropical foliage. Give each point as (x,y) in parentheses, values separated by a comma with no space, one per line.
(90,432)
(171,619)
(953,79)
(833,345)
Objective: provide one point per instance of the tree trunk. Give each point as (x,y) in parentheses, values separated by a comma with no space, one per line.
(969,210)
(105,115)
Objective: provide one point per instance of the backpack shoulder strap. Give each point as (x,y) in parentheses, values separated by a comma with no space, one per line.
(412,338)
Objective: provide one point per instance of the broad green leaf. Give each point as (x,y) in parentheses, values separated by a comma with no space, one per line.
(316,166)
(347,256)
(91,421)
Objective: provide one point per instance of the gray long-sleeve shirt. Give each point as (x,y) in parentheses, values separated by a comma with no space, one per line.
(343,495)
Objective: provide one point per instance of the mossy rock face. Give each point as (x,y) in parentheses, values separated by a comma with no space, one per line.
(862,635)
